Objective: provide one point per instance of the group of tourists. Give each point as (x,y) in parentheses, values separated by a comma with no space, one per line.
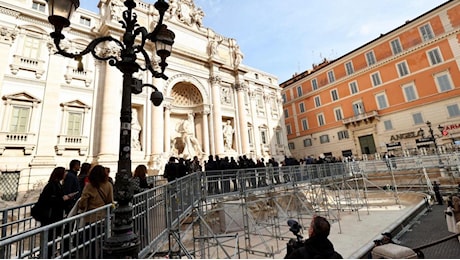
(81,188)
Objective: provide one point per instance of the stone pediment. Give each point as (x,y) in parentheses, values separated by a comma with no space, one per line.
(75,103)
(22,96)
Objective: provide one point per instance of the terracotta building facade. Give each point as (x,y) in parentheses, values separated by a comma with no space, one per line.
(379,97)
(52,113)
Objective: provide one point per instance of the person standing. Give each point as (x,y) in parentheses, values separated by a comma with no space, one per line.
(140,176)
(83,175)
(317,245)
(71,184)
(437,193)
(54,198)
(97,193)
(171,169)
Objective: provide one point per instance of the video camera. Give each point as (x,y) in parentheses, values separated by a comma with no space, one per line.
(298,242)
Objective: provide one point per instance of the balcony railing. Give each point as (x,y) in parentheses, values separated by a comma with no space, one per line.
(29,64)
(74,74)
(363,117)
(17,140)
(68,142)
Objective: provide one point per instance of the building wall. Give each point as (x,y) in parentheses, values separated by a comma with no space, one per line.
(430,103)
(52,113)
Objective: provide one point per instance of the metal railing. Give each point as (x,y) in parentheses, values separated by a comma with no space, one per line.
(160,210)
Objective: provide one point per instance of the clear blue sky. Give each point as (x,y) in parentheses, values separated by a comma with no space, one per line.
(283,37)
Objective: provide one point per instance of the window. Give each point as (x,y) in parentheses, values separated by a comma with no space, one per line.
(353,87)
(291,146)
(85,21)
(358,108)
(304,124)
(307,142)
(418,119)
(74,123)
(349,67)
(321,120)
(402,69)
(256,76)
(317,101)
(376,79)
(278,136)
(388,125)
(370,58)
(343,134)
(324,139)
(334,95)
(38,6)
(31,47)
(314,84)
(443,82)
(263,135)
(409,92)
(299,91)
(288,129)
(19,111)
(250,138)
(434,56)
(382,101)
(19,122)
(286,113)
(302,107)
(338,114)
(330,76)
(453,110)
(426,32)
(284,98)
(396,46)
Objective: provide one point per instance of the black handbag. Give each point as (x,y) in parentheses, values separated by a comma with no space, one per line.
(40,211)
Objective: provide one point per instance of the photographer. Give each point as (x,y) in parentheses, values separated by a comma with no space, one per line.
(317,245)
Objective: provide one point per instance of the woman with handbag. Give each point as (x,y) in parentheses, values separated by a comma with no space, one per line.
(51,203)
(97,193)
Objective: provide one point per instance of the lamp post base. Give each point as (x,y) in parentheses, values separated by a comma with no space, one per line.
(122,247)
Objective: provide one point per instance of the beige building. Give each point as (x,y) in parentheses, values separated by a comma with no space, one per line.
(51,113)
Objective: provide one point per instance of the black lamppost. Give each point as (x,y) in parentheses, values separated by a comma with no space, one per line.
(433,138)
(124,242)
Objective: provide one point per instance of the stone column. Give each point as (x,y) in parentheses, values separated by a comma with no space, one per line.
(206,130)
(45,151)
(217,115)
(110,101)
(156,122)
(166,129)
(242,121)
(253,112)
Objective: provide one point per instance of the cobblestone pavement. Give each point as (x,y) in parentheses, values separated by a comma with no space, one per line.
(432,227)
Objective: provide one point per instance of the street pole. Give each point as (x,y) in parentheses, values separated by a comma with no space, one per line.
(124,242)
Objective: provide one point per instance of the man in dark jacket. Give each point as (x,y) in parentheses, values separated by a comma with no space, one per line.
(317,245)
(72,185)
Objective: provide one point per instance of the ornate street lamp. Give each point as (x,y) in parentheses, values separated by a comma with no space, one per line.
(433,138)
(124,242)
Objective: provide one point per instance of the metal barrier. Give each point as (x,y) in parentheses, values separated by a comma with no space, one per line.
(16,220)
(159,212)
(68,238)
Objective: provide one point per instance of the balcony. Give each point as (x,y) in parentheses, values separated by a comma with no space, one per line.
(67,142)
(26,141)
(365,118)
(74,74)
(29,64)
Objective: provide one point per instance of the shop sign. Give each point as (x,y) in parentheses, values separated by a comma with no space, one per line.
(395,144)
(403,136)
